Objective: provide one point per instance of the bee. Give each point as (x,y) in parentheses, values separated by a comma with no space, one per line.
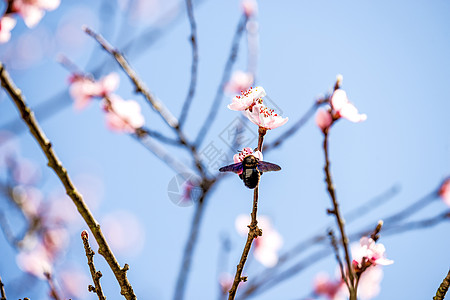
(250,170)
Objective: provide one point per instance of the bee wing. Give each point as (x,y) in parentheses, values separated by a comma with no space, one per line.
(236,168)
(264,166)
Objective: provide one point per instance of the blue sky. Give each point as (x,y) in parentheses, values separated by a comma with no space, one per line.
(394,60)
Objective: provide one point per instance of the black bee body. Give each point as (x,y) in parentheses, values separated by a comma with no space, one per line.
(250,170)
(250,174)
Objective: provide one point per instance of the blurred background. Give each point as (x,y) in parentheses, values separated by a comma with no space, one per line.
(394,58)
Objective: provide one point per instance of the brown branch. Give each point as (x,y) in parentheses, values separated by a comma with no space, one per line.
(54,163)
(2,290)
(339,219)
(253,231)
(53,292)
(443,288)
(194,67)
(139,85)
(96,275)
(143,90)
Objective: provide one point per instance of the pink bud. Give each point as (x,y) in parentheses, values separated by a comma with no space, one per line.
(323,119)
(84,235)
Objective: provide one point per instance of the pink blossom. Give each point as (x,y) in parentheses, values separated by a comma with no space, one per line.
(247,99)
(240,81)
(123,116)
(71,279)
(36,262)
(32,11)
(369,252)
(30,199)
(369,283)
(249,7)
(7,23)
(83,89)
(345,108)
(323,119)
(444,191)
(266,247)
(265,117)
(330,288)
(56,239)
(246,152)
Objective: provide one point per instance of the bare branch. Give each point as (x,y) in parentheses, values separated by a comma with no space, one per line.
(443,288)
(96,275)
(2,290)
(54,163)
(225,77)
(339,219)
(253,231)
(194,67)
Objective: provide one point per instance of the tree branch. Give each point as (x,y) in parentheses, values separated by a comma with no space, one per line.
(96,275)
(54,163)
(194,67)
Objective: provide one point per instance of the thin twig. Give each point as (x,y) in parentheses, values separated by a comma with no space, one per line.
(53,292)
(334,244)
(443,288)
(158,106)
(207,124)
(339,220)
(54,163)
(268,282)
(96,275)
(140,86)
(2,290)
(294,128)
(253,231)
(194,66)
(180,286)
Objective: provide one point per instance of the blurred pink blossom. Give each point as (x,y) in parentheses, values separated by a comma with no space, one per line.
(29,199)
(36,262)
(265,117)
(323,119)
(240,81)
(124,232)
(123,116)
(245,152)
(330,288)
(249,7)
(32,11)
(71,280)
(345,108)
(369,283)
(370,253)
(83,89)
(55,240)
(266,247)
(26,172)
(7,23)
(444,191)
(247,99)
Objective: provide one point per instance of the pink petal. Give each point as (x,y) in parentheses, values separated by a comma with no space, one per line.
(125,115)
(350,113)
(240,81)
(109,83)
(339,99)
(7,24)
(249,7)
(48,4)
(444,191)
(323,119)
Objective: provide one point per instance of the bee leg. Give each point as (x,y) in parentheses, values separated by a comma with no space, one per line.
(241,177)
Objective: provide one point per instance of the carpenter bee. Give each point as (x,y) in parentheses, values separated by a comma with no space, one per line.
(250,170)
